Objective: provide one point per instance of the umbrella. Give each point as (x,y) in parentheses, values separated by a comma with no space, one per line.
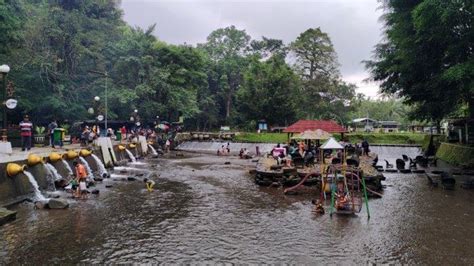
(332,144)
(318,134)
(163,126)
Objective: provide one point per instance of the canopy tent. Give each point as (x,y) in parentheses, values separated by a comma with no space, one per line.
(332,144)
(317,134)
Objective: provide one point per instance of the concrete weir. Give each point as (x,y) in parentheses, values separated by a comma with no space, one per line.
(212,147)
(17,186)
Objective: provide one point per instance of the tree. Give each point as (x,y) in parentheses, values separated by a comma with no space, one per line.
(269,91)
(324,94)
(227,49)
(427,57)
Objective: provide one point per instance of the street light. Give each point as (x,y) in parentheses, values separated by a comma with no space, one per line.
(4,69)
(106,75)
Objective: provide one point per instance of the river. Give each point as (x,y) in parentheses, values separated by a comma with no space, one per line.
(204,210)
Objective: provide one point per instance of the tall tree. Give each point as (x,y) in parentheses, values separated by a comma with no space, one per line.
(269,91)
(227,48)
(324,94)
(428,55)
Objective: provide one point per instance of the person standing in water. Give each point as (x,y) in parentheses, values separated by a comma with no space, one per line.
(81,176)
(365,147)
(149,184)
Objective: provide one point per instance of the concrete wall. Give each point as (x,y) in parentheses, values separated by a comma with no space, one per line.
(17,188)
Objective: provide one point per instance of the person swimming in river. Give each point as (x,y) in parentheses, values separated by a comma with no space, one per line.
(149,184)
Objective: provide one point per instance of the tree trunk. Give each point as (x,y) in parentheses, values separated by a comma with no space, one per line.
(227,106)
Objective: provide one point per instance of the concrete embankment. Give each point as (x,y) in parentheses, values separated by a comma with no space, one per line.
(455,154)
(18,187)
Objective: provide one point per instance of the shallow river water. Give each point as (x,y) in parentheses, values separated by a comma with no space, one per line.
(206,211)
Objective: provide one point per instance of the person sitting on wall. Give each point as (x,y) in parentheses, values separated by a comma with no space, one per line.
(241,153)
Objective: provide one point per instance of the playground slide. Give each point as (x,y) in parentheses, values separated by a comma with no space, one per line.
(300,183)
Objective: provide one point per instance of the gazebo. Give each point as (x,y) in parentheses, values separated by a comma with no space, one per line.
(325,125)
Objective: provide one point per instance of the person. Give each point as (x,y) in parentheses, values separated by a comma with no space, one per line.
(341,196)
(223,150)
(149,184)
(241,153)
(365,147)
(246,154)
(257,151)
(228,148)
(81,177)
(167,145)
(123,130)
(318,207)
(26,128)
(53,125)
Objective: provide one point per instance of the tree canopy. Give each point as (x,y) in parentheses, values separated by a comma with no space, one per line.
(427,57)
(63,53)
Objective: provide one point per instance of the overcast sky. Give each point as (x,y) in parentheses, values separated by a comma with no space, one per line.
(353,25)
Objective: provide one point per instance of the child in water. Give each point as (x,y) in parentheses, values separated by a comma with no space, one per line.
(149,184)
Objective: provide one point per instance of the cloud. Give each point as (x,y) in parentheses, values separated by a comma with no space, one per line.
(352,25)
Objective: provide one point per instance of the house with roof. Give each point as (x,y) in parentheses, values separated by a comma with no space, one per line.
(364,124)
(305,125)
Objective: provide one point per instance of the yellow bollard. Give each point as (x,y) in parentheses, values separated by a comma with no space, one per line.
(69,155)
(54,157)
(34,159)
(85,153)
(13,169)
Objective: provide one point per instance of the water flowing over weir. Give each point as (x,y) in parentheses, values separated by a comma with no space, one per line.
(52,176)
(212,147)
(68,167)
(53,172)
(88,168)
(34,184)
(100,165)
(130,155)
(153,151)
(392,153)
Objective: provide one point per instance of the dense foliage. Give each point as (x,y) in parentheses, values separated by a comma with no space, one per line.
(427,56)
(63,53)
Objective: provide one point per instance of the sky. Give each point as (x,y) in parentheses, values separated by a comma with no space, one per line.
(353,25)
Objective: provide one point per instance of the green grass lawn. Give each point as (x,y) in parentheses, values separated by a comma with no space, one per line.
(372,138)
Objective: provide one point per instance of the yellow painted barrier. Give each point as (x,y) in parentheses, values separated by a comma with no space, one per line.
(13,169)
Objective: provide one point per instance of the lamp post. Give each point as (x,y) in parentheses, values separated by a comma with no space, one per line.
(4,69)
(106,75)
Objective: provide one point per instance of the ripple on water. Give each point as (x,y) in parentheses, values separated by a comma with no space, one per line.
(205,211)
